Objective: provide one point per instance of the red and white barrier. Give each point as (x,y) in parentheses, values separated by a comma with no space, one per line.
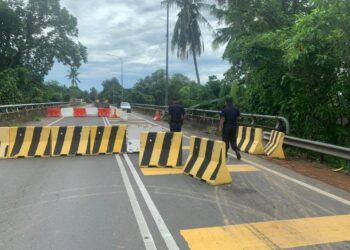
(54,112)
(67,112)
(79,112)
(104,112)
(82,112)
(91,111)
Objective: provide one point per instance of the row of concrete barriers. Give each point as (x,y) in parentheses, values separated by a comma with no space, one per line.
(206,160)
(25,142)
(85,112)
(250,140)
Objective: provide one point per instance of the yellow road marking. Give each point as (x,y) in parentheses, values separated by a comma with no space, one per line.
(161,171)
(185,147)
(271,234)
(166,171)
(241,168)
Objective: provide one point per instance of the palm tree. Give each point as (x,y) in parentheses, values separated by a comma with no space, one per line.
(187,37)
(73,76)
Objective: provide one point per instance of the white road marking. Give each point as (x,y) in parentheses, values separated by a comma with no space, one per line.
(54,122)
(313,188)
(163,229)
(303,184)
(141,221)
(104,121)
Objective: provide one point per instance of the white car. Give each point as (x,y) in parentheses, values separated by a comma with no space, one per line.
(125,106)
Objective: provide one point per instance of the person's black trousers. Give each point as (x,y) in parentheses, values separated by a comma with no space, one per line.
(175,127)
(229,136)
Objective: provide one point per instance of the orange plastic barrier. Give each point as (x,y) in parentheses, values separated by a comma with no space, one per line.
(79,112)
(157,116)
(54,112)
(104,112)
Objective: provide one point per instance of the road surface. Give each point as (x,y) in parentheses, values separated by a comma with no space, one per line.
(106,202)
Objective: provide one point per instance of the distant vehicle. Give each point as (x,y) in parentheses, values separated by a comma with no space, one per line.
(125,106)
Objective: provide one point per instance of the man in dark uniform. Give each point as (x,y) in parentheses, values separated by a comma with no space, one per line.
(176,116)
(228,126)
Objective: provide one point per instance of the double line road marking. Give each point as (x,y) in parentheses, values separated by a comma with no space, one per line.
(141,221)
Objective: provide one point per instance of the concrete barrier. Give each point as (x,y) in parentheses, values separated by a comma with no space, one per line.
(274,148)
(70,141)
(160,149)
(250,140)
(29,142)
(207,161)
(4,142)
(108,140)
(67,112)
(91,111)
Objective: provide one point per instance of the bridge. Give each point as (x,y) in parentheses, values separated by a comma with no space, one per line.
(108,200)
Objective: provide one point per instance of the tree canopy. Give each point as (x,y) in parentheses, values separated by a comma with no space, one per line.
(33,35)
(291,58)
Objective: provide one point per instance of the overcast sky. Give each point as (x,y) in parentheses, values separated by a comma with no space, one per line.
(135,31)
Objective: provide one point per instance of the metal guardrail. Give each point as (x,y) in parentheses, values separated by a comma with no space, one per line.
(279,120)
(314,146)
(5,109)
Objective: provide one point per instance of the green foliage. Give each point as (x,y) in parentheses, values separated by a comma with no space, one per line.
(112,91)
(33,34)
(73,76)
(9,93)
(234,91)
(93,95)
(187,35)
(292,59)
(151,90)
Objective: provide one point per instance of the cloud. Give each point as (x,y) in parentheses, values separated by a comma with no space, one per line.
(133,30)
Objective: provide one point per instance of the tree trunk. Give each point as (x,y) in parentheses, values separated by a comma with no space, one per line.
(196,66)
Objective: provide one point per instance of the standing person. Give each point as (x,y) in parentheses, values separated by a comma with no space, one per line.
(228,126)
(176,113)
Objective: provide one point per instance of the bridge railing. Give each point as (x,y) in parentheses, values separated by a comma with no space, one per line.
(281,123)
(5,109)
(257,120)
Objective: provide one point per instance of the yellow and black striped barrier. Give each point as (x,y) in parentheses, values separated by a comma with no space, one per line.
(207,161)
(70,141)
(250,140)
(274,148)
(24,142)
(4,142)
(160,149)
(29,142)
(108,140)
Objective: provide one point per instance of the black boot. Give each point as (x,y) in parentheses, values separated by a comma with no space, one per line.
(238,155)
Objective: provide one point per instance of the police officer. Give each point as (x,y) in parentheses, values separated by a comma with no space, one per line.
(176,113)
(228,126)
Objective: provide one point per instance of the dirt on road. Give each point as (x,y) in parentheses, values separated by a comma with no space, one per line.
(317,171)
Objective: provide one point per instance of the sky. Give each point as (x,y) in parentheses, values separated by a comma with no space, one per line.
(135,31)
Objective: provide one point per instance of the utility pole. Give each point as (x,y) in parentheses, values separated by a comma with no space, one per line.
(121,73)
(167,56)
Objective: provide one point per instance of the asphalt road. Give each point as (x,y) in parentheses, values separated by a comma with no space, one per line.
(105,202)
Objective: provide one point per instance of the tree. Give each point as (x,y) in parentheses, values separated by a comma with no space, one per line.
(112,91)
(9,93)
(35,33)
(291,58)
(93,95)
(73,76)
(187,37)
